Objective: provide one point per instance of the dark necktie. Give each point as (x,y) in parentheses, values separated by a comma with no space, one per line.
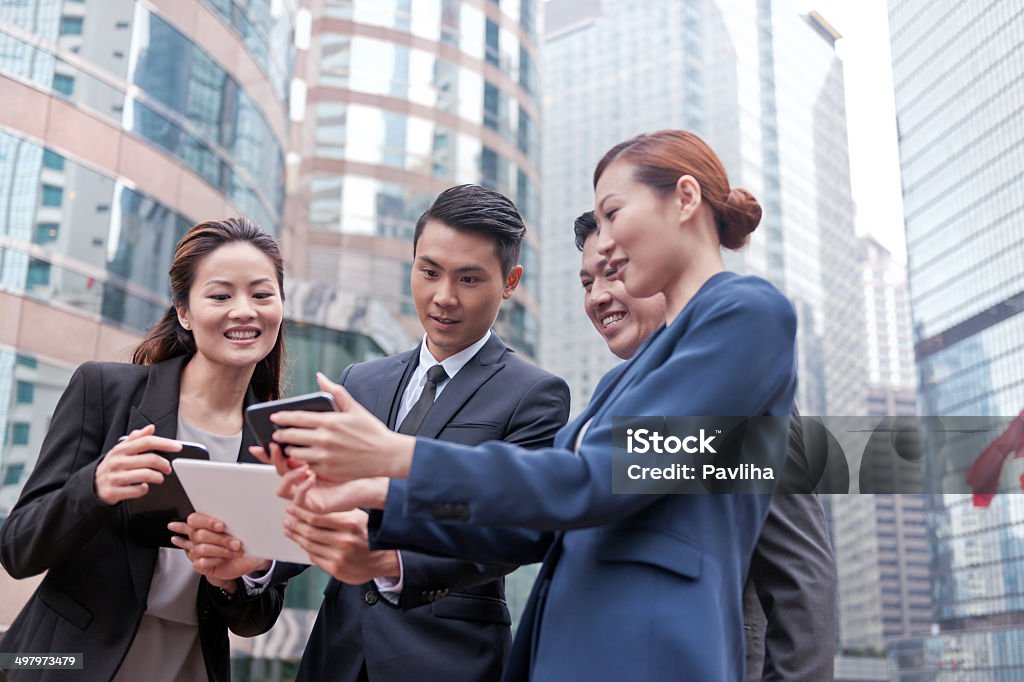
(411,424)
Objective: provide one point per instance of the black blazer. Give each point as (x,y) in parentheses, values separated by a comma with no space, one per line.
(452,622)
(94,593)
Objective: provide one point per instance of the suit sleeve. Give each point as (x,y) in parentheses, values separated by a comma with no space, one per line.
(248,615)
(391,529)
(736,358)
(541,412)
(794,573)
(58,509)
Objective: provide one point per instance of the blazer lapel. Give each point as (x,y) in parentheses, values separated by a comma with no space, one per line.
(463,385)
(393,380)
(158,406)
(159,403)
(247,437)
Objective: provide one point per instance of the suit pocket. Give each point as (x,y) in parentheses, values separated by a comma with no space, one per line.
(472,608)
(653,547)
(65,605)
(471,433)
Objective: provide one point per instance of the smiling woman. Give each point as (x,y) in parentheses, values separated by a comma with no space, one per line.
(135,610)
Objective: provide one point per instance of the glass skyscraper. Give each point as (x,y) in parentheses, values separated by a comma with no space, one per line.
(406,98)
(958,70)
(761,82)
(121,124)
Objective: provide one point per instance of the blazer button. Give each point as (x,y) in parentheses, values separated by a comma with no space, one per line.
(370,597)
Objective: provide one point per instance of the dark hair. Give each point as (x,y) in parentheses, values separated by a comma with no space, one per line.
(472,208)
(168,339)
(584,226)
(661,158)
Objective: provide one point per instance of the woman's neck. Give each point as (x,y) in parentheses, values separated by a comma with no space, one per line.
(693,277)
(210,397)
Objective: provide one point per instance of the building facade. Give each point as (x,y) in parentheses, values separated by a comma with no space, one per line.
(961,128)
(881,540)
(123,123)
(762,84)
(404,99)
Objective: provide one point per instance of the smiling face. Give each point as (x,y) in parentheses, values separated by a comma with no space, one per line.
(234,306)
(639,231)
(625,322)
(458,286)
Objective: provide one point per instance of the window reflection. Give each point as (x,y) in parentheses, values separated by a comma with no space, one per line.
(79,238)
(23,421)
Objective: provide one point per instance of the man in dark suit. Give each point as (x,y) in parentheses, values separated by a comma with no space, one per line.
(410,616)
(789,601)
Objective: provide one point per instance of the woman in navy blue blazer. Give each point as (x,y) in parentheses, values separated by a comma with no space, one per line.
(134,610)
(633,586)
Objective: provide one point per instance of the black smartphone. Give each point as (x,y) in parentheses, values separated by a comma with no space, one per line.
(258,416)
(149,515)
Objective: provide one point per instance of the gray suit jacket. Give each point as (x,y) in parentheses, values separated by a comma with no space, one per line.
(789,600)
(452,622)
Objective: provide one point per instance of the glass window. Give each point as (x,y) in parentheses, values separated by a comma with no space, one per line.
(25,392)
(19,433)
(13,475)
(52,196)
(38,273)
(27,361)
(489,168)
(491,48)
(492,106)
(71,26)
(53,160)
(45,233)
(63,84)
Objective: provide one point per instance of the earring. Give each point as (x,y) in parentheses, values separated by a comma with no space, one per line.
(185,325)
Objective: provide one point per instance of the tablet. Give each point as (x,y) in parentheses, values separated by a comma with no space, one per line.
(149,515)
(244,497)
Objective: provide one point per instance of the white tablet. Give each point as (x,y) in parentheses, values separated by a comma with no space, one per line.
(244,497)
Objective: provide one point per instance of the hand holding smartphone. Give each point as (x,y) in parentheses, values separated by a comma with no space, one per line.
(149,515)
(258,416)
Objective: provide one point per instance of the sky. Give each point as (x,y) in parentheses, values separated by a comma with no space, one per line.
(870,116)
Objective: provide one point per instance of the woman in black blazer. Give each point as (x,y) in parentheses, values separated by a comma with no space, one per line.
(132,609)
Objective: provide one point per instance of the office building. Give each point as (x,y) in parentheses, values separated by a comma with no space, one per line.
(762,84)
(961,127)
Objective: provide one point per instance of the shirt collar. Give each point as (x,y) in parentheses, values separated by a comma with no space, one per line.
(453,364)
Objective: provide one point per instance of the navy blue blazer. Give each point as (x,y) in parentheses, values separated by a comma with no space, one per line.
(622,568)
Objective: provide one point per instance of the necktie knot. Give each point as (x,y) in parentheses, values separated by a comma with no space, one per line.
(414,419)
(436,374)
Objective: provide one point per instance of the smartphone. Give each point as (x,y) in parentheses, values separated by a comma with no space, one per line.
(149,515)
(258,416)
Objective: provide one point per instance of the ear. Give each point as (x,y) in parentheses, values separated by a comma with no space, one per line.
(688,196)
(512,281)
(182,315)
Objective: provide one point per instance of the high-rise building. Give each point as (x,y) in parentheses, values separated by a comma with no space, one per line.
(961,133)
(762,84)
(405,99)
(123,123)
(881,541)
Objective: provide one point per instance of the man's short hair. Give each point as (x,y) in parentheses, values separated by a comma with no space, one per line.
(472,208)
(584,226)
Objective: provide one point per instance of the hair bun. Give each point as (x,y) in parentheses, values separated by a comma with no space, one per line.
(741,216)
